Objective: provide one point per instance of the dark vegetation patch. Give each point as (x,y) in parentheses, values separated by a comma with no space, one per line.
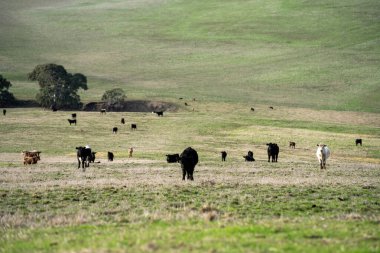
(133,106)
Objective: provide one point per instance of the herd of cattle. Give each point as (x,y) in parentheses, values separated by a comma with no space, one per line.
(188,158)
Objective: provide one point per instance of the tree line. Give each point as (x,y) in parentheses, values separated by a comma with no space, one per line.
(58,89)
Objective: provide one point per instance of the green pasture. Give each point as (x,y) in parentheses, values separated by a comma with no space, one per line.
(304,54)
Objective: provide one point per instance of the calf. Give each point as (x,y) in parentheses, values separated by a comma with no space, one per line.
(103,111)
(114,130)
(273,151)
(72,121)
(83,156)
(358,141)
(30,160)
(249,157)
(130,151)
(323,153)
(110,156)
(224,155)
(292,144)
(133,126)
(92,157)
(188,160)
(159,113)
(173,158)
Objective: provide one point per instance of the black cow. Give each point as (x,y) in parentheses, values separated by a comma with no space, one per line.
(252,109)
(72,121)
(358,141)
(122,121)
(4,112)
(114,130)
(103,111)
(92,157)
(188,160)
(133,126)
(83,156)
(249,157)
(159,113)
(174,158)
(273,151)
(110,156)
(224,155)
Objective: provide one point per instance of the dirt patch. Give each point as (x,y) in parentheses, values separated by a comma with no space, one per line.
(133,106)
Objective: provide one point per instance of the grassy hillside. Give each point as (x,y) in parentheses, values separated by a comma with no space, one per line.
(296,53)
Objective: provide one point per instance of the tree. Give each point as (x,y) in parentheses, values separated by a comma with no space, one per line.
(114,99)
(58,88)
(6,98)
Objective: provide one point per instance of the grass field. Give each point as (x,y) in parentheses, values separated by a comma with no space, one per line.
(315,62)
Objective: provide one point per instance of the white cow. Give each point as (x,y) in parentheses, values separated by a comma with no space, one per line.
(323,153)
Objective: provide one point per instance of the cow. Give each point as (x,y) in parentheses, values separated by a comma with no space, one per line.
(83,156)
(188,160)
(224,155)
(4,112)
(252,109)
(72,121)
(73,115)
(159,113)
(172,158)
(358,141)
(114,130)
(54,108)
(273,151)
(130,151)
(133,126)
(103,111)
(110,156)
(292,144)
(271,107)
(92,157)
(122,121)
(31,157)
(323,153)
(249,157)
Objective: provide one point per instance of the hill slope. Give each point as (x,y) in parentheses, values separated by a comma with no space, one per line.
(306,54)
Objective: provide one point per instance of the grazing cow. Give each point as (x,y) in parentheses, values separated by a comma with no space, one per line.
(224,155)
(31,157)
(72,121)
(292,144)
(173,158)
(133,126)
(73,115)
(323,153)
(186,104)
(114,130)
(188,160)
(122,121)
(358,141)
(110,156)
(130,151)
(273,151)
(249,157)
(271,107)
(252,109)
(103,111)
(159,113)
(83,155)
(4,112)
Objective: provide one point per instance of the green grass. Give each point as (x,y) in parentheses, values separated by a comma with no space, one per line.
(301,54)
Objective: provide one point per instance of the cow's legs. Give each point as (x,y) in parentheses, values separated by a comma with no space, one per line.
(183,174)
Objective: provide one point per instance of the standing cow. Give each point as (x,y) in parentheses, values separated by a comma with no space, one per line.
(188,160)
(323,153)
(84,155)
(224,155)
(273,151)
